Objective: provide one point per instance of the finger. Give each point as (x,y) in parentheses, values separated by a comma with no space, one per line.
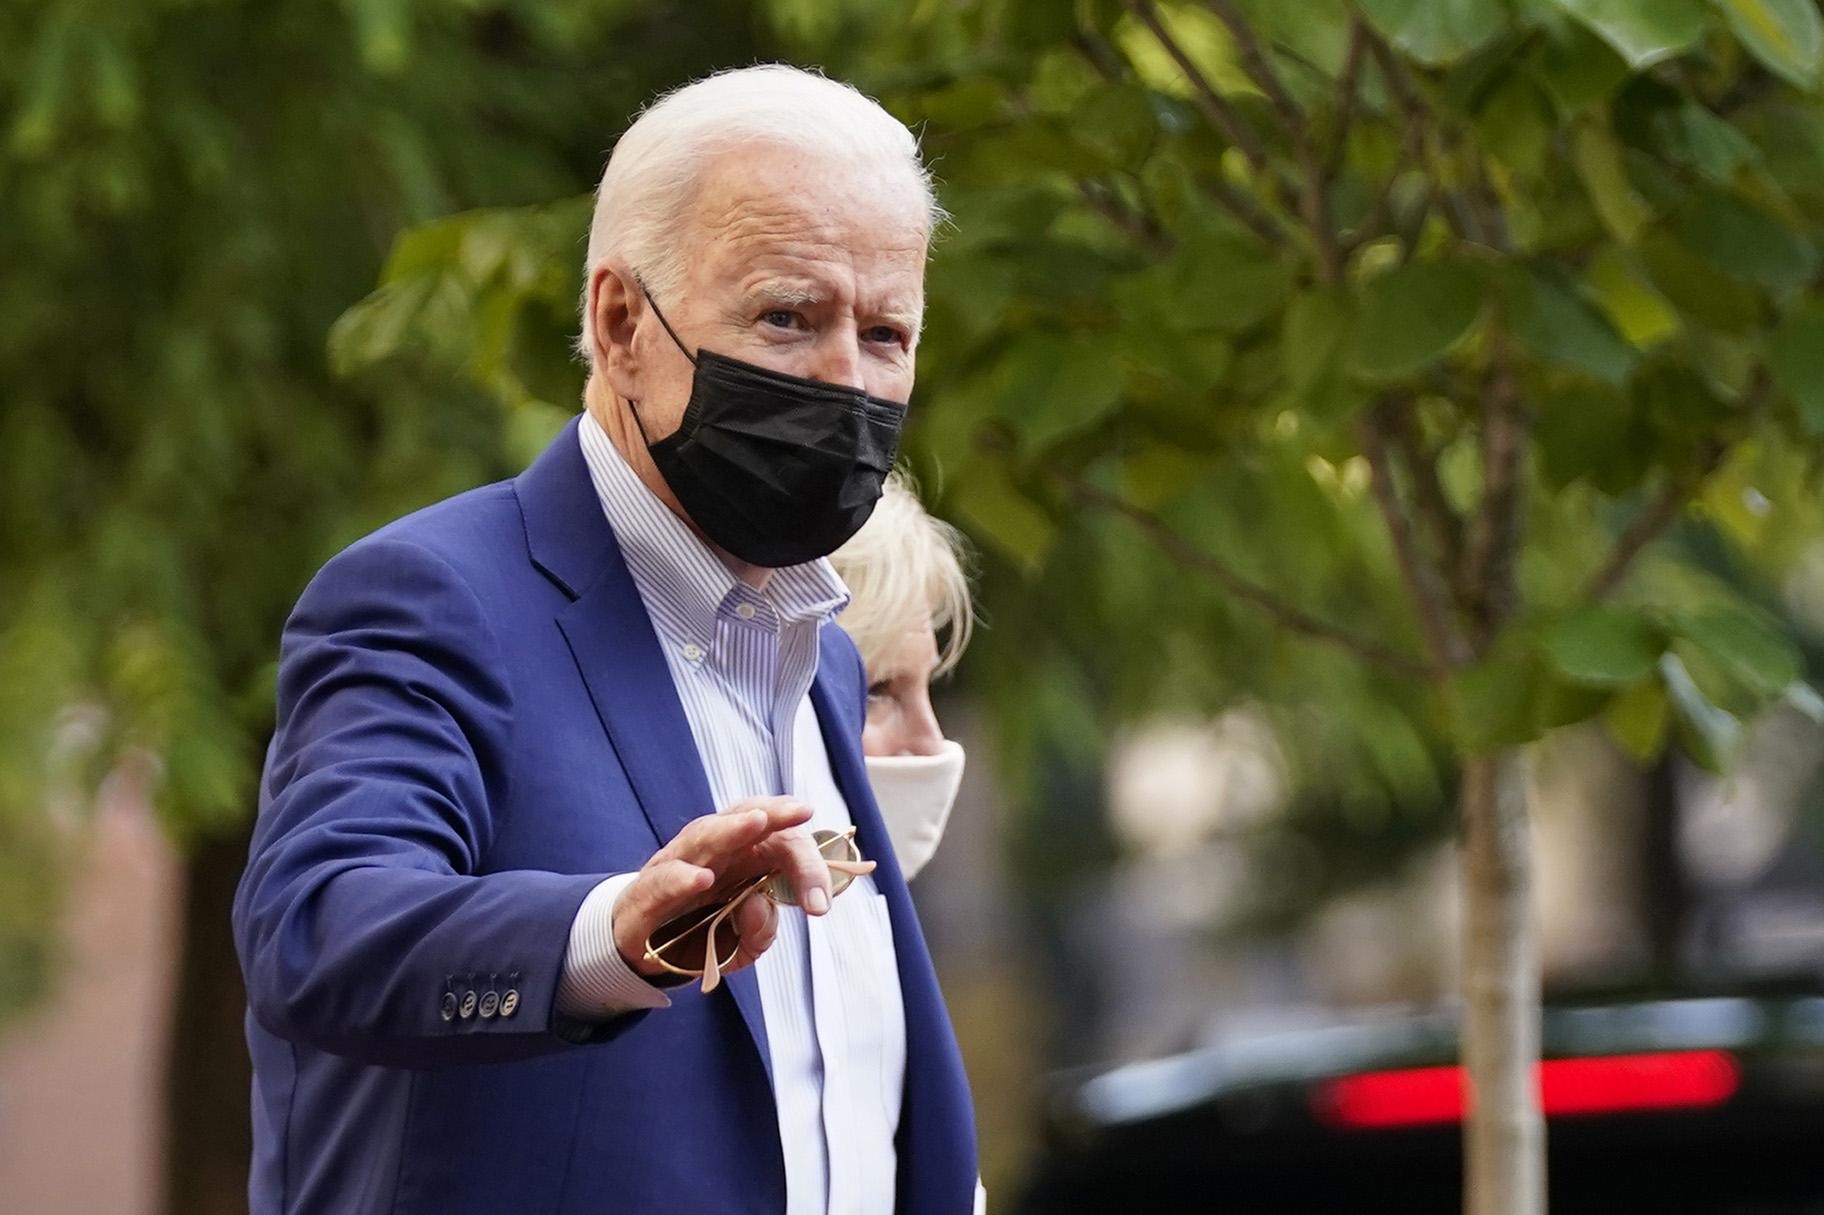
(715,839)
(661,893)
(804,865)
(757,922)
(782,813)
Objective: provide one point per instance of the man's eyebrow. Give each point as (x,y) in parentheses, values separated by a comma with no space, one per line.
(796,295)
(790,294)
(909,319)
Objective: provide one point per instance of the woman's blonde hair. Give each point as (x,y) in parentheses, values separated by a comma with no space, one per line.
(904,567)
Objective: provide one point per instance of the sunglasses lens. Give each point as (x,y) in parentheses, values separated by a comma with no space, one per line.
(835,846)
(688,937)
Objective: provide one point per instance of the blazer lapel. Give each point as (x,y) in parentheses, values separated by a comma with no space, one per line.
(618,656)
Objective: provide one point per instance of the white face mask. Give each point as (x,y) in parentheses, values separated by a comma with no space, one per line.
(915,793)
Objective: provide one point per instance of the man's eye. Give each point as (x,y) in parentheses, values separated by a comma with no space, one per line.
(784,318)
(885,335)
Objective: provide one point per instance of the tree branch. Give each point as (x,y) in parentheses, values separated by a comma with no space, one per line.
(1432,503)
(1137,224)
(1214,106)
(1251,217)
(1314,199)
(1112,68)
(1415,121)
(1348,91)
(1288,616)
(1103,57)
(1254,63)
(1494,543)
(1429,599)
(1671,500)
(1652,522)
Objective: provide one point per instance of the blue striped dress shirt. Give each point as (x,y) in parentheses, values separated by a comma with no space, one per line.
(743,661)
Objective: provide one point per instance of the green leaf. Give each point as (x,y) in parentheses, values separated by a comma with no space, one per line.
(1578,69)
(1081,386)
(1437,31)
(1226,284)
(1697,286)
(1748,645)
(1315,32)
(1709,735)
(1548,315)
(1644,316)
(1158,473)
(1205,41)
(1561,703)
(973,101)
(1692,135)
(1598,158)
(1604,646)
(1797,363)
(1644,31)
(1413,314)
(1785,35)
(1119,122)
(1492,703)
(1515,125)
(1746,242)
(1315,339)
(1592,431)
(1000,515)
(1639,718)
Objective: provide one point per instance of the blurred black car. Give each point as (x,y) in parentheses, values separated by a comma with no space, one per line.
(1701,1105)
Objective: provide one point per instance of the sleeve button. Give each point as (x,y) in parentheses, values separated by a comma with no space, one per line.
(509,1003)
(448,1006)
(490,1004)
(468,1004)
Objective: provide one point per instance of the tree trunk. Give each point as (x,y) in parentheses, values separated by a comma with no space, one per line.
(208,1131)
(1504,1136)
(1665,895)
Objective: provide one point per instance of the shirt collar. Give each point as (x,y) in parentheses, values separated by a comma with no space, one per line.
(682,580)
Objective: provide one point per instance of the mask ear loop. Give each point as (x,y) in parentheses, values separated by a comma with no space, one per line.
(676,341)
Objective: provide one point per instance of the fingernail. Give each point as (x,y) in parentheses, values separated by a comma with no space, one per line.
(817,901)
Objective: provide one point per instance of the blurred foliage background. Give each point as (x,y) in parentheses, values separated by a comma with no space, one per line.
(1230,287)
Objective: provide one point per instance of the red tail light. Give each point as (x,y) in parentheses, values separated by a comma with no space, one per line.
(1601,1085)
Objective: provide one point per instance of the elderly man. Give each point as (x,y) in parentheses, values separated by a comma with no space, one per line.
(521,731)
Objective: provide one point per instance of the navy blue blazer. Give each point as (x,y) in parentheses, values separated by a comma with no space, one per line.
(475,726)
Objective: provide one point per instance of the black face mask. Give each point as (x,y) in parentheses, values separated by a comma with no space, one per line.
(776,469)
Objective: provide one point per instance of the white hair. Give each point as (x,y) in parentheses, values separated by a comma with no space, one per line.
(653,171)
(905,568)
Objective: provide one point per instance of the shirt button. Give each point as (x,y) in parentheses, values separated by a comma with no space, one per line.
(693,652)
(745,611)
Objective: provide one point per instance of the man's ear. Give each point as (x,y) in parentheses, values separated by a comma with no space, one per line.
(615,306)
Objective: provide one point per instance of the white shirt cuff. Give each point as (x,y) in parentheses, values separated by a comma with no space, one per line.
(597,982)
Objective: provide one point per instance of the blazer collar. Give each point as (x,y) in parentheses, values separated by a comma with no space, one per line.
(566,534)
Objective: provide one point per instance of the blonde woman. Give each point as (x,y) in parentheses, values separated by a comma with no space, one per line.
(907,574)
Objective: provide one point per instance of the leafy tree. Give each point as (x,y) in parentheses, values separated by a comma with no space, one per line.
(1351,356)
(189,196)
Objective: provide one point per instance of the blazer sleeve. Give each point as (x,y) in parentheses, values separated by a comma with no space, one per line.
(365,922)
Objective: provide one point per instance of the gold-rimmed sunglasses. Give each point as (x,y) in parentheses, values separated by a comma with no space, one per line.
(708,932)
